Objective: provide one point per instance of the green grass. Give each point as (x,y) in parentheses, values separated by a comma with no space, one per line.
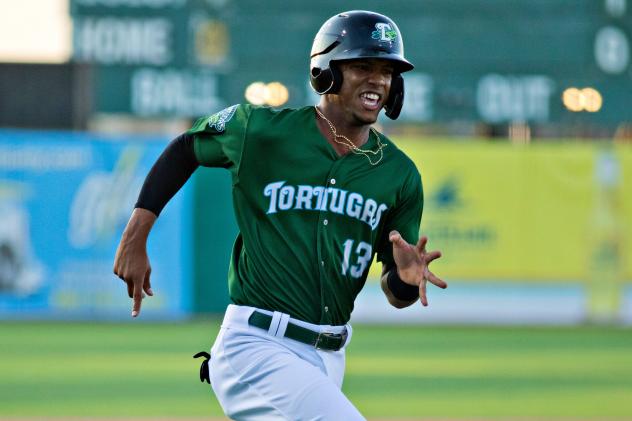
(492,372)
(143,369)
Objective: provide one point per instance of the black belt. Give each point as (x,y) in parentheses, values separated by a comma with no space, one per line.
(319,340)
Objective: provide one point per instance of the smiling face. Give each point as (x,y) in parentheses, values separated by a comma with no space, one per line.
(366,84)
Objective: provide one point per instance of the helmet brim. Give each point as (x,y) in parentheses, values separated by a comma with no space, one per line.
(401,64)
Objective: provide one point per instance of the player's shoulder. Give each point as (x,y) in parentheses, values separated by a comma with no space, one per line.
(264,112)
(258,112)
(396,156)
(276,123)
(241,117)
(218,121)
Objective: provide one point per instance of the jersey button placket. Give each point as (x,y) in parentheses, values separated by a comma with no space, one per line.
(324,239)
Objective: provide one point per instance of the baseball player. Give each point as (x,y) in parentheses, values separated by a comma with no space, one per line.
(317,193)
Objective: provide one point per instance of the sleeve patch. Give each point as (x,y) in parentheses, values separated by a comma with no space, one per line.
(218,121)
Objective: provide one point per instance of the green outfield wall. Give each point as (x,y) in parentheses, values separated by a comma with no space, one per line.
(214,232)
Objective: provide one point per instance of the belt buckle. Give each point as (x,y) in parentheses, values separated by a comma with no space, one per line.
(320,335)
(345,335)
(343,338)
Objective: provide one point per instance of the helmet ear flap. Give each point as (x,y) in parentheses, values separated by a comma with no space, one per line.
(336,76)
(393,105)
(321,80)
(326,81)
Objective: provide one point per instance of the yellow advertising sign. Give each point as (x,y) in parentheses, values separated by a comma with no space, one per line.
(549,212)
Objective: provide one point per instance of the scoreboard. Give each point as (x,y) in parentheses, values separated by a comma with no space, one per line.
(492,61)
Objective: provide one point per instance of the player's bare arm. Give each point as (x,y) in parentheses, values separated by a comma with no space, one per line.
(168,174)
(411,268)
(131,262)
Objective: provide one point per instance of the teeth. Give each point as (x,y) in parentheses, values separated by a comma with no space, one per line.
(371,96)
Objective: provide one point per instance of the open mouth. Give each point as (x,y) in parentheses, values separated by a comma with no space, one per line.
(370,100)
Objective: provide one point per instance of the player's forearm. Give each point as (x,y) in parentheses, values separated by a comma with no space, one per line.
(400,298)
(138,228)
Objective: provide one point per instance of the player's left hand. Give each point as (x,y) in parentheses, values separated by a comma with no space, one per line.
(131,263)
(412,263)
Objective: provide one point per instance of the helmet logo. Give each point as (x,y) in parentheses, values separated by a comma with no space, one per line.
(384,32)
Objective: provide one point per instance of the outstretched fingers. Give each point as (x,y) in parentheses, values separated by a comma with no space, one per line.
(421,244)
(423,286)
(397,239)
(433,255)
(422,293)
(435,280)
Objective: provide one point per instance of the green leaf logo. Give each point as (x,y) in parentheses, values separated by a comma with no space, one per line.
(384,32)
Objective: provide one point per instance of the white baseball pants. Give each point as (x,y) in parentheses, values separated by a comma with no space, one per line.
(259,376)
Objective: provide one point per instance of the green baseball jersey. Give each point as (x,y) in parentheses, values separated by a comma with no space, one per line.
(310,221)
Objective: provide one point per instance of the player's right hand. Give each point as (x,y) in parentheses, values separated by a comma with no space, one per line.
(131,263)
(412,264)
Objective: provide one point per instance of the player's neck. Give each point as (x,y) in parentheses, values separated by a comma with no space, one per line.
(330,116)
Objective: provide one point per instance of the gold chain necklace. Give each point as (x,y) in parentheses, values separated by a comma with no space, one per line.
(349,144)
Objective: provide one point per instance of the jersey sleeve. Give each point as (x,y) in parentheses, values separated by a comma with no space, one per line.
(219,138)
(404,218)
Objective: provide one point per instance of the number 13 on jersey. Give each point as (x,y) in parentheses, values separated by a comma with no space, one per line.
(362,258)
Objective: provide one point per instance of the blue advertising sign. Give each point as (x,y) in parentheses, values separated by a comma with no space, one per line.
(64,201)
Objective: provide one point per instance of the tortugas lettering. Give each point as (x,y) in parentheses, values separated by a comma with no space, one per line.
(318,198)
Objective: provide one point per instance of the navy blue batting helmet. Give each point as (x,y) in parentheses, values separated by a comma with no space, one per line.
(355,35)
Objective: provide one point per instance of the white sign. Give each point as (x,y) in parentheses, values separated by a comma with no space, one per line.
(514,98)
(418,93)
(123,41)
(174,92)
(612,50)
(616,8)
